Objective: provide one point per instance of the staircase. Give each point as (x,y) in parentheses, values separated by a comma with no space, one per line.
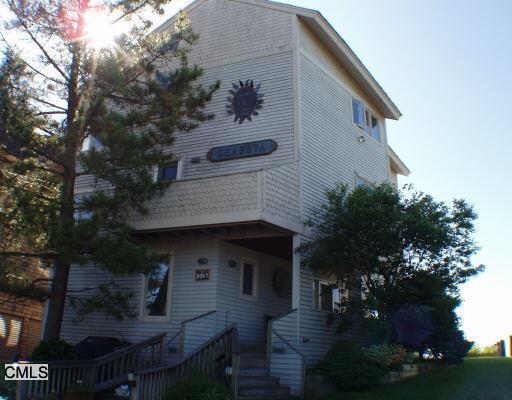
(255,382)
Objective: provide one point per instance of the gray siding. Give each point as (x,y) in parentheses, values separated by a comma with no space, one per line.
(287,365)
(331,152)
(250,315)
(189,298)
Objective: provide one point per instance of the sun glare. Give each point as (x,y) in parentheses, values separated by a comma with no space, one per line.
(100,31)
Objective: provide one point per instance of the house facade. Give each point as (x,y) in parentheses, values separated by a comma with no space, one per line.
(303,114)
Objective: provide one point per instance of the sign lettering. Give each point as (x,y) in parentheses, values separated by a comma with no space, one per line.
(242,150)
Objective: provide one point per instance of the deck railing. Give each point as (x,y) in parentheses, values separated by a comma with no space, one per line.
(98,374)
(211,360)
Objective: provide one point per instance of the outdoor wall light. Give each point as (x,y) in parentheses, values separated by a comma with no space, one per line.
(232,263)
(202,261)
(361,139)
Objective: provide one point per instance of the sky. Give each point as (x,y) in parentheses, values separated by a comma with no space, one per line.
(447,65)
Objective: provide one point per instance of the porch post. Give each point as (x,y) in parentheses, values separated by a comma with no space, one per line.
(295,273)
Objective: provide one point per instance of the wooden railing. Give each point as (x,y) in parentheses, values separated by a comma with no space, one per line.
(98,374)
(210,360)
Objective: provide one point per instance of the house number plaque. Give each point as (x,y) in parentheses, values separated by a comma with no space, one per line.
(202,274)
(242,150)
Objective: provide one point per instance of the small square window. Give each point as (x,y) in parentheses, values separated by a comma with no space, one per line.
(365,119)
(168,172)
(361,181)
(328,296)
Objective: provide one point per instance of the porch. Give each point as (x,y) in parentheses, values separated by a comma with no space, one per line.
(219,277)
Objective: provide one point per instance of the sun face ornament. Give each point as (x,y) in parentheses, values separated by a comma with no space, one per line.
(245,99)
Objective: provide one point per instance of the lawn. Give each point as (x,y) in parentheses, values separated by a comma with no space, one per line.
(475,379)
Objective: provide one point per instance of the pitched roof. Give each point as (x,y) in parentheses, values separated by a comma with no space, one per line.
(341,50)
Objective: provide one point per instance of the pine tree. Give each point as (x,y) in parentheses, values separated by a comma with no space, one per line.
(58,92)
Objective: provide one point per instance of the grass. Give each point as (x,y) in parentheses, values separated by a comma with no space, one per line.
(475,379)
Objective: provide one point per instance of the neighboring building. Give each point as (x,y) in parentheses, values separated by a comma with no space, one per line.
(234,215)
(21,312)
(20,321)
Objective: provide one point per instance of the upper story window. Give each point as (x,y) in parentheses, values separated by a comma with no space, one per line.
(249,279)
(328,296)
(360,181)
(156,299)
(170,172)
(365,119)
(91,142)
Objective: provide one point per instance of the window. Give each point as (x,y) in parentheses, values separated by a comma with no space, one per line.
(156,297)
(358,113)
(365,120)
(80,212)
(170,172)
(328,296)
(361,181)
(248,279)
(91,142)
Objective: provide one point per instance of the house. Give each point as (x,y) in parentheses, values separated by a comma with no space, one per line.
(244,184)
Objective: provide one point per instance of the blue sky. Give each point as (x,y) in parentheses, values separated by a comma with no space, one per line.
(447,65)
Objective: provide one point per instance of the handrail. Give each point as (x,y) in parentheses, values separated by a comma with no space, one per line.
(100,373)
(184,328)
(282,315)
(198,316)
(127,349)
(291,346)
(211,358)
(195,352)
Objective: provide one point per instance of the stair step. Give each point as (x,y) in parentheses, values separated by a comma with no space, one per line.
(253,362)
(253,355)
(244,372)
(264,392)
(258,381)
(254,348)
(278,397)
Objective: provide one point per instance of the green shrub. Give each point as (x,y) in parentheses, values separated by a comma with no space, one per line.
(53,350)
(7,388)
(199,388)
(348,367)
(389,356)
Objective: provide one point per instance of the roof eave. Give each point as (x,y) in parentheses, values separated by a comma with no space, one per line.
(397,164)
(346,56)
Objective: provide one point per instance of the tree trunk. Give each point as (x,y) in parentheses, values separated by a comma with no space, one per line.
(57,301)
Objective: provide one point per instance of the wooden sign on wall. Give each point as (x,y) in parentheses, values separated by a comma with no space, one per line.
(242,150)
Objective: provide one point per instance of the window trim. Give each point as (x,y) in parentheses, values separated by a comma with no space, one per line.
(179,172)
(157,318)
(255,280)
(366,129)
(317,304)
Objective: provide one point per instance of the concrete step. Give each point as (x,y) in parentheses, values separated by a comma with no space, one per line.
(264,392)
(253,372)
(253,362)
(258,382)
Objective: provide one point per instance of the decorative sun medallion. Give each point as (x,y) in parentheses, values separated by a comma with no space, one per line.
(245,99)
